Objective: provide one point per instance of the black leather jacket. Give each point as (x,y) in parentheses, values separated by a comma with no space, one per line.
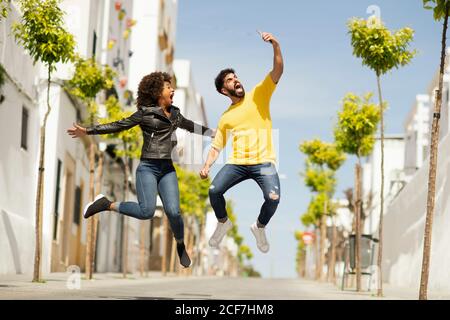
(157,128)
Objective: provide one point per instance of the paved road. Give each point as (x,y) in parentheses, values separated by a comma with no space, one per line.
(113,286)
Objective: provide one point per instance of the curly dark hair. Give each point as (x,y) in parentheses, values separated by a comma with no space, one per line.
(151,87)
(221,77)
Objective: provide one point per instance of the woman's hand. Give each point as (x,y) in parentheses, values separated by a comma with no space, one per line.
(77,131)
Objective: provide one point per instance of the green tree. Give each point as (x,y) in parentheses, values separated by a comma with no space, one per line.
(323,159)
(4,8)
(128,148)
(88,80)
(323,154)
(42,34)
(314,217)
(194,193)
(355,134)
(300,255)
(193,202)
(381,50)
(441,9)
(244,253)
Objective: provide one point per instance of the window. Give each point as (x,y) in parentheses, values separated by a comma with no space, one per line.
(94,44)
(24,138)
(57,191)
(77,206)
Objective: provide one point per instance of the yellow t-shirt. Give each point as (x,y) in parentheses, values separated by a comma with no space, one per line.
(250,125)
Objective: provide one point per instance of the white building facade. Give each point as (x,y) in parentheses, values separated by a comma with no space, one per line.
(394,179)
(19,124)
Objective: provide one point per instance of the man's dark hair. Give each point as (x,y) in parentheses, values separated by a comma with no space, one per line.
(151,87)
(221,77)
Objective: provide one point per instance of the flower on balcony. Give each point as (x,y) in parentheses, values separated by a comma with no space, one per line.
(131,23)
(123,82)
(122,14)
(111,43)
(126,33)
(118,5)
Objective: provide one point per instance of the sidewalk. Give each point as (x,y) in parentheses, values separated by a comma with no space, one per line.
(155,286)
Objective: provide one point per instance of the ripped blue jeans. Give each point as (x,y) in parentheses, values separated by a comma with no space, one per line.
(155,176)
(264,174)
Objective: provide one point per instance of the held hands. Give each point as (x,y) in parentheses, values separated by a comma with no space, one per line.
(77,131)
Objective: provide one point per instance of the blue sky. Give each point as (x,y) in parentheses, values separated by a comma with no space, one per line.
(319,70)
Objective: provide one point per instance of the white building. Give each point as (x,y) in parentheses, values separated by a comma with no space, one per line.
(66,175)
(153,38)
(405,217)
(417,129)
(190,146)
(404,227)
(98,27)
(152,45)
(87,20)
(19,125)
(394,178)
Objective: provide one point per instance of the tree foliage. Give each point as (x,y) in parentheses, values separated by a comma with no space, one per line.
(380,49)
(357,125)
(193,193)
(90,78)
(131,138)
(323,159)
(322,153)
(42,34)
(320,180)
(439,7)
(4,9)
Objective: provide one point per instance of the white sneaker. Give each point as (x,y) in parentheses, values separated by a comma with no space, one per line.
(261,240)
(219,233)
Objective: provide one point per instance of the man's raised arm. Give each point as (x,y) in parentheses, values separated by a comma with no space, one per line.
(278,65)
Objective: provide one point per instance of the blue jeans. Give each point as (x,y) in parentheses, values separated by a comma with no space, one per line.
(264,174)
(153,176)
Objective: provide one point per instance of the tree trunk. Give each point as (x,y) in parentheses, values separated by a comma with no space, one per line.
(304,263)
(380,227)
(323,238)
(201,245)
(173,254)
(358,225)
(125,224)
(191,251)
(331,270)
(423,294)
(165,245)
(40,190)
(96,217)
(90,226)
(316,251)
(142,248)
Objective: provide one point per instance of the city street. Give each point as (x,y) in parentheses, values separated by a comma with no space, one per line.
(112,287)
(130,146)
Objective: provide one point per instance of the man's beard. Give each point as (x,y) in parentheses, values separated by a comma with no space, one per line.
(233,93)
